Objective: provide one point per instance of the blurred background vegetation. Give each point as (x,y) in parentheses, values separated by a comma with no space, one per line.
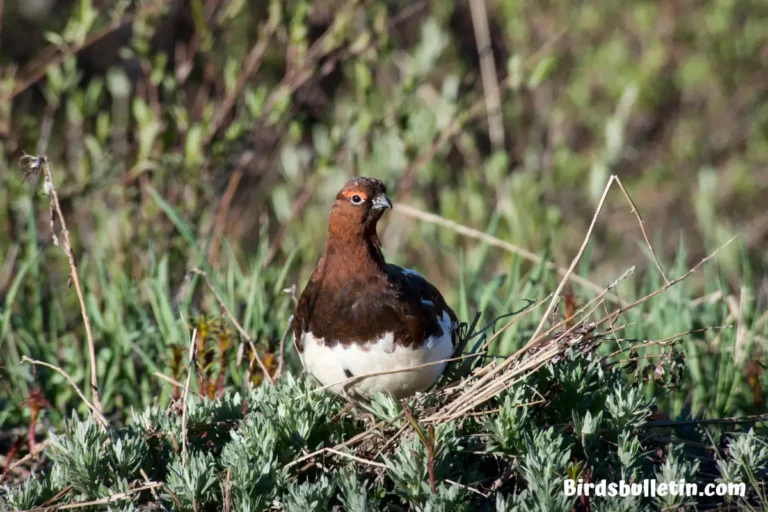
(216,133)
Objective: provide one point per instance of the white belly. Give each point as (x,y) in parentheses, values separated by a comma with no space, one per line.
(327,362)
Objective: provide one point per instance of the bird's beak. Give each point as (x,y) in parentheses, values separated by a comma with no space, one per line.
(381,201)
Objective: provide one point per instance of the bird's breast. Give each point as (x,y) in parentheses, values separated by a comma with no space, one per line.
(401,370)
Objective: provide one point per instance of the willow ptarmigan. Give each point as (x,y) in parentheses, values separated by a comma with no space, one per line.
(359,315)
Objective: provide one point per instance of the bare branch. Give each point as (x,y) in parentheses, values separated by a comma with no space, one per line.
(96,412)
(36,164)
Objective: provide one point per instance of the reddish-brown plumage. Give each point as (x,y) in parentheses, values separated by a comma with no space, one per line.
(355,299)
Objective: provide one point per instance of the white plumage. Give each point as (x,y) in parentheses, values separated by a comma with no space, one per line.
(327,362)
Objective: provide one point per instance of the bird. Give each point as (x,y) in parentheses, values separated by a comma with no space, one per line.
(360,315)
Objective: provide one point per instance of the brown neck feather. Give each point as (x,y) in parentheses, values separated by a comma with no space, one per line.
(358,252)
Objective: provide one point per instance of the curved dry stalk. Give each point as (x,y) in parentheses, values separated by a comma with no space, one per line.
(662,342)
(488,385)
(493,241)
(96,412)
(664,288)
(476,388)
(575,261)
(237,325)
(33,165)
(642,228)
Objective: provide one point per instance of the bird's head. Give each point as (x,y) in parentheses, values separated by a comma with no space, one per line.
(358,207)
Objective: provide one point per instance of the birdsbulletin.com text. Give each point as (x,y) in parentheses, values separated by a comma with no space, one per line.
(651,488)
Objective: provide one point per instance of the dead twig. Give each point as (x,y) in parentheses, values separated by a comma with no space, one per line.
(38,450)
(36,164)
(96,412)
(486,387)
(614,178)
(228,491)
(147,481)
(470,489)
(662,342)
(103,501)
(335,452)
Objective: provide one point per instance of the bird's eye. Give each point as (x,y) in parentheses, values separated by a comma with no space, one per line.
(357,199)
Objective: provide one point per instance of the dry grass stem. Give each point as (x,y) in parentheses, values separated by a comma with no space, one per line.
(488,386)
(335,452)
(103,501)
(575,262)
(358,459)
(228,491)
(237,325)
(35,164)
(37,451)
(185,397)
(642,228)
(176,383)
(488,72)
(491,372)
(147,481)
(493,241)
(651,295)
(96,412)
(470,489)
(541,349)
(661,342)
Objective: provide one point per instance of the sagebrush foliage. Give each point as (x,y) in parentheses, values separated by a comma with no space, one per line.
(254,452)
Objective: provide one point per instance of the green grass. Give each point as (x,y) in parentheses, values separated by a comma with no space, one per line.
(137,324)
(671,100)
